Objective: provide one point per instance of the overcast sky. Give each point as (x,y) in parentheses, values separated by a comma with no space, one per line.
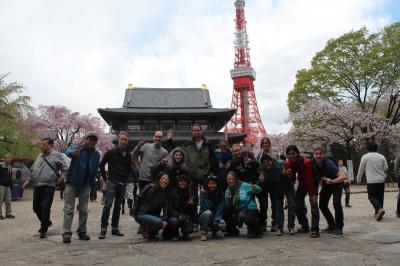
(83,54)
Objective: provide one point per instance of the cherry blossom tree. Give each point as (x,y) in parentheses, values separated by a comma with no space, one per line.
(347,124)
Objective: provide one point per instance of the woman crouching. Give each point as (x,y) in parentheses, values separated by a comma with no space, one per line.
(153,199)
(241,207)
(211,207)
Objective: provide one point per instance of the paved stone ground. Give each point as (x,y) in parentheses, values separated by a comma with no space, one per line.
(365,242)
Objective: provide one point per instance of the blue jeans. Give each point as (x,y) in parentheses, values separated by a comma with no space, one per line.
(206,219)
(115,193)
(153,224)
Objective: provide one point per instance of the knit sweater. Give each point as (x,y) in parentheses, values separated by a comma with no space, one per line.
(374,165)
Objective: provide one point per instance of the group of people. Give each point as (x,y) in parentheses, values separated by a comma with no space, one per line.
(190,188)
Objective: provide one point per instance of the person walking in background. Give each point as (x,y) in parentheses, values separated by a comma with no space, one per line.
(374,165)
(346,183)
(119,169)
(397,174)
(45,175)
(80,178)
(5,186)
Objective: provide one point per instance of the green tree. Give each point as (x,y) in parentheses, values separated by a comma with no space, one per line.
(356,67)
(13,107)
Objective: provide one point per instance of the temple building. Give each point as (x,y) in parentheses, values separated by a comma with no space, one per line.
(146,110)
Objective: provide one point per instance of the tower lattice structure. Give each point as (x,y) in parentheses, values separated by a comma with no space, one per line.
(247,117)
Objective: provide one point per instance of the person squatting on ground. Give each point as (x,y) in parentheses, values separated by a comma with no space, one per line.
(375,166)
(80,178)
(326,170)
(119,169)
(241,207)
(154,199)
(45,175)
(184,207)
(5,186)
(150,155)
(211,207)
(175,164)
(346,183)
(300,167)
(274,178)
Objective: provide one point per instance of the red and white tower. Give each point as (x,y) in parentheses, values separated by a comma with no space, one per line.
(247,118)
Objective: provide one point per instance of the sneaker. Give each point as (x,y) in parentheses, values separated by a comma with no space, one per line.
(175,238)
(1,217)
(397,215)
(303,230)
(251,235)
(314,234)
(185,237)
(116,232)
(83,236)
(292,231)
(273,228)
(380,214)
(328,230)
(203,237)
(42,235)
(279,232)
(66,238)
(102,235)
(10,216)
(195,227)
(348,206)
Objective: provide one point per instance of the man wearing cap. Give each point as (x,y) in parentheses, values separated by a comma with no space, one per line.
(85,160)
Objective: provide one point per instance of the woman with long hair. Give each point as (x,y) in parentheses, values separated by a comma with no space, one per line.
(241,207)
(155,198)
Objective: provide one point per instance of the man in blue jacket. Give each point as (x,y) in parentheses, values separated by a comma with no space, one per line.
(83,168)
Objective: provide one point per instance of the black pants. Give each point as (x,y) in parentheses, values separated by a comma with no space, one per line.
(346,187)
(324,196)
(268,190)
(251,221)
(376,194)
(42,201)
(301,210)
(279,199)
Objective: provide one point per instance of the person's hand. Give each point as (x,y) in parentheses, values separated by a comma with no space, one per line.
(164,224)
(164,160)
(191,201)
(289,172)
(261,178)
(247,160)
(202,190)
(327,180)
(253,186)
(170,133)
(313,198)
(141,143)
(76,151)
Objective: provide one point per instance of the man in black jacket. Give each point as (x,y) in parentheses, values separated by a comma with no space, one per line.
(5,186)
(119,169)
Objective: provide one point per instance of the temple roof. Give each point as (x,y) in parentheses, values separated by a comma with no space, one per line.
(162,98)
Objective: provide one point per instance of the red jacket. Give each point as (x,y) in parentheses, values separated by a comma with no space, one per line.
(303,168)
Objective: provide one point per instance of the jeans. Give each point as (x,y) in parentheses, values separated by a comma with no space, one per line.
(42,201)
(72,192)
(280,214)
(324,196)
(152,224)
(5,195)
(376,194)
(346,187)
(206,220)
(115,193)
(301,210)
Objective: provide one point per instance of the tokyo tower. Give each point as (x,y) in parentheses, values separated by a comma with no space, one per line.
(247,117)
